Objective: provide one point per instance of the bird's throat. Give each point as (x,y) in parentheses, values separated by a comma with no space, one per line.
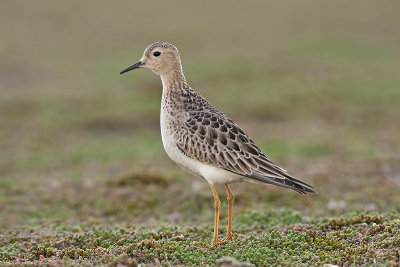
(173,80)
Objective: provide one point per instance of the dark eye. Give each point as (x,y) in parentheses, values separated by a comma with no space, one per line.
(157,53)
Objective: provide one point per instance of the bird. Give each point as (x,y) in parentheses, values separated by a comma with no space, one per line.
(203,140)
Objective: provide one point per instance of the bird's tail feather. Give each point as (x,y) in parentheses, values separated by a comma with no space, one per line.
(284,180)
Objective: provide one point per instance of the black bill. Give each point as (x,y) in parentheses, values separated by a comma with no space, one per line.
(134,66)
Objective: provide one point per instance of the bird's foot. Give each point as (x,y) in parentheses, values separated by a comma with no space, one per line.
(216,242)
(229,236)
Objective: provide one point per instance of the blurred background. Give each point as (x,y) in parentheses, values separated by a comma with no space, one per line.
(316,84)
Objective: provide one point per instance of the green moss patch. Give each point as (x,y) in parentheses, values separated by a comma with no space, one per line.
(275,238)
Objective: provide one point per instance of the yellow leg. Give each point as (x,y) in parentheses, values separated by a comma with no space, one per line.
(231,199)
(217,206)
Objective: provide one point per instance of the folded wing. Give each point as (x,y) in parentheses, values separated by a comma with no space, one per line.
(218,141)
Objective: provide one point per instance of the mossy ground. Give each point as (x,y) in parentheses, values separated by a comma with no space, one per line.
(275,238)
(83,175)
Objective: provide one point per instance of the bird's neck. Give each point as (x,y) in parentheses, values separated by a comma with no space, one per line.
(174,81)
(176,91)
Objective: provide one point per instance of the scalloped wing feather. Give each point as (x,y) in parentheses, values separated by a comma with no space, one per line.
(214,139)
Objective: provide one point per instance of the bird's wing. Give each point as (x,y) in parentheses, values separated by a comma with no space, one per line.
(216,140)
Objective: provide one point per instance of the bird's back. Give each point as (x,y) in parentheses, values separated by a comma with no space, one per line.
(197,135)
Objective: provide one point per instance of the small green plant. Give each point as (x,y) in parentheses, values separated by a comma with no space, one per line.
(281,237)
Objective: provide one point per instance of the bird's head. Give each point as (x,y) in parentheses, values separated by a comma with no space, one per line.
(162,58)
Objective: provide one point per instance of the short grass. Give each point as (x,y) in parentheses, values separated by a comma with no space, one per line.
(315,85)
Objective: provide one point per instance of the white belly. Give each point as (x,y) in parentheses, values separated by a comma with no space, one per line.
(212,174)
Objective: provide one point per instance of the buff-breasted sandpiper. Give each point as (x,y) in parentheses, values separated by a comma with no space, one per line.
(203,140)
